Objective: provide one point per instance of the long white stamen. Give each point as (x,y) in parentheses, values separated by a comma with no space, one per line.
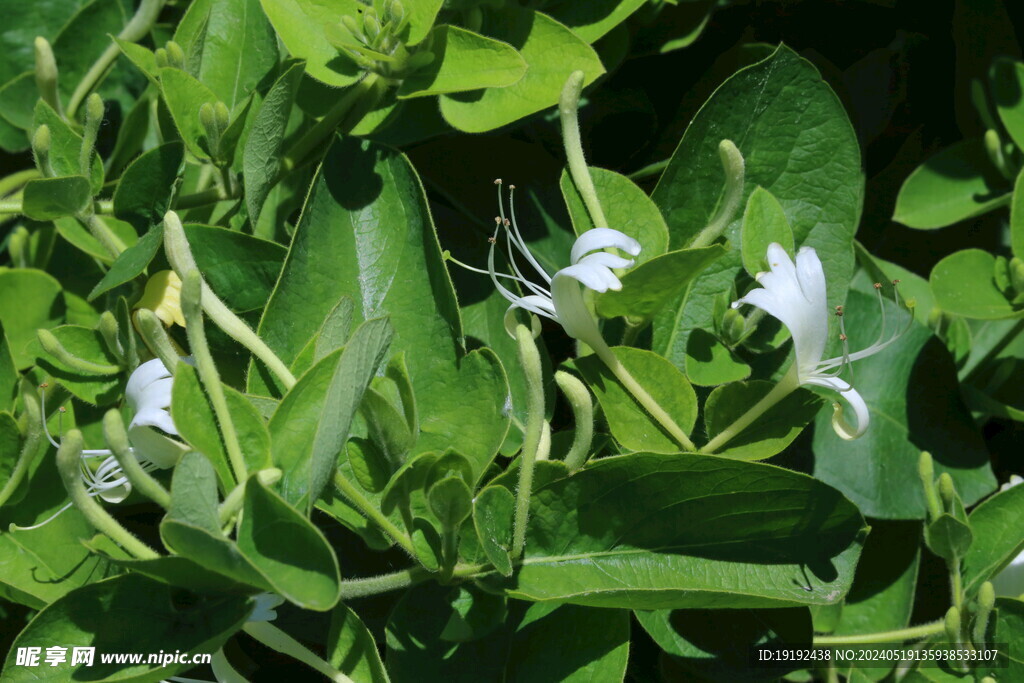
(42,410)
(519,238)
(536,289)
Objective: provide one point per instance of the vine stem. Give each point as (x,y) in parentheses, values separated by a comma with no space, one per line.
(278,640)
(403,578)
(372,513)
(784,388)
(568,110)
(899,635)
(135,29)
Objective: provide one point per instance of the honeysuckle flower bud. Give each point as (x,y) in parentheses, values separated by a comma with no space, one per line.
(590,266)
(795,294)
(163,296)
(148,394)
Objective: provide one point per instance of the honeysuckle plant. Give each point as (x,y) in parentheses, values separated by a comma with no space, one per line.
(248,391)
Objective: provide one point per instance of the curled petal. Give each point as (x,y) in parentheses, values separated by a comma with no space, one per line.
(538,305)
(603,238)
(856,401)
(152,446)
(142,377)
(595,277)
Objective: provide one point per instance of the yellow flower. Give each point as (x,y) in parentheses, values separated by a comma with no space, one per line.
(163,297)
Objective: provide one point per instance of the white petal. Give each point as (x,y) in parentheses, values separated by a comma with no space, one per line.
(603,258)
(263,609)
(603,238)
(142,377)
(153,446)
(572,310)
(595,277)
(846,391)
(537,305)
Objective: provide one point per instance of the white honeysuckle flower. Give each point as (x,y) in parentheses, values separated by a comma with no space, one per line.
(265,607)
(795,294)
(1009,582)
(148,394)
(560,297)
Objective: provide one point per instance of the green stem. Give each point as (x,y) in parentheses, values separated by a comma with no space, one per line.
(648,402)
(367,88)
(650,169)
(117,439)
(734,169)
(956,585)
(204,198)
(784,388)
(135,29)
(568,110)
(897,636)
(111,242)
(69,458)
(529,359)
(191,306)
(233,501)
(356,497)
(278,640)
(385,583)
(156,338)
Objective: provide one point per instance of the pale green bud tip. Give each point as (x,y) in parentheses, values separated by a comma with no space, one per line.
(351,26)
(1017,274)
(571,91)
(946,489)
(41,141)
(269,476)
(528,354)
(206,117)
(221,115)
(926,467)
(161,57)
(46,64)
(732,159)
(49,342)
(987,596)
(94,108)
(953,624)
(175,55)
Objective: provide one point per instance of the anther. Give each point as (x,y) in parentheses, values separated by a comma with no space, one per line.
(842,337)
(44,385)
(62,409)
(511,187)
(497,220)
(507,222)
(497,181)
(492,239)
(839,312)
(878,285)
(839,308)
(895,282)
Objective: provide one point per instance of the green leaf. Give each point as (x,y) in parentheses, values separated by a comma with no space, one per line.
(261,158)
(300,26)
(551,52)
(197,424)
(627,208)
(770,433)
(998,537)
(715,644)
(351,648)
(288,550)
(493,512)
(65,146)
(948,537)
(537,642)
(45,199)
(234,51)
(29,299)
(709,362)
(464,60)
(192,526)
(143,58)
(88,345)
(652,285)
(882,596)
(1017,217)
(240,268)
(76,234)
(366,233)
(311,425)
(629,423)
(184,96)
(905,387)
(1007,86)
(1009,629)
(592,20)
(132,261)
(764,222)
(143,194)
(9,376)
(963,284)
(956,184)
(651,531)
(451,501)
(94,616)
(799,145)
(181,572)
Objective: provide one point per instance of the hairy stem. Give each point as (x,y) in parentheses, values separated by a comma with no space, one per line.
(784,388)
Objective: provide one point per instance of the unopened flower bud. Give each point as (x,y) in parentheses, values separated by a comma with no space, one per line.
(175,55)
(46,73)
